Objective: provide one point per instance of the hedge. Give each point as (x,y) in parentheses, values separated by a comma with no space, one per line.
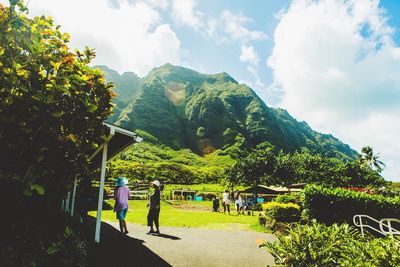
(282,212)
(291,198)
(337,205)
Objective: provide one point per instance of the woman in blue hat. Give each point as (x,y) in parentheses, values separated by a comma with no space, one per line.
(121,196)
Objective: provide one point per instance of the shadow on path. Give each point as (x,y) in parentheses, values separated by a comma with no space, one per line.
(116,249)
(166,236)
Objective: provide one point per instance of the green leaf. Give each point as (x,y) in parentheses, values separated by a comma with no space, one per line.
(72,138)
(56,114)
(38,188)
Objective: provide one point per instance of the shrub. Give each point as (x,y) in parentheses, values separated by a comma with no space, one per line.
(39,246)
(52,107)
(337,205)
(257,207)
(292,198)
(282,212)
(336,245)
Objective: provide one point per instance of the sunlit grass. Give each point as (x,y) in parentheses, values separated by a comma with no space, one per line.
(186,214)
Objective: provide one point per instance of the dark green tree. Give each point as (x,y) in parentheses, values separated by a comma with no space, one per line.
(52,105)
(286,168)
(351,174)
(255,167)
(311,168)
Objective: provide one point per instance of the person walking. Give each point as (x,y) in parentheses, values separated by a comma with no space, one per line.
(121,196)
(239,203)
(232,195)
(154,208)
(215,204)
(226,201)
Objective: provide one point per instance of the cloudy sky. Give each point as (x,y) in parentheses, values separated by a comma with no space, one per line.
(332,63)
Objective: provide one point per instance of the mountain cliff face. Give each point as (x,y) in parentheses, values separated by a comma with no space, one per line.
(126,86)
(186,109)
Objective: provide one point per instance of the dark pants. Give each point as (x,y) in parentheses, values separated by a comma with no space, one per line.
(152,216)
(226,207)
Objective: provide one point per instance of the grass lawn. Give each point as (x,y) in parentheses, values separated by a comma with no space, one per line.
(194,214)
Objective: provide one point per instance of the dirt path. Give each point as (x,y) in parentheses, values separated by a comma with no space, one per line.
(204,247)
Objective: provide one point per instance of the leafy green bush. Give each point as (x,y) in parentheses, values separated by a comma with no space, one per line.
(257,207)
(282,212)
(337,245)
(292,198)
(39,247)
(52,106)
(337,205)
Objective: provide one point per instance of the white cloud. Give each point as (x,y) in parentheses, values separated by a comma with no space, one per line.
(225,28)
(234,26)
(249,55)
(129,36)
(184,13)
(338,67)
(163,4)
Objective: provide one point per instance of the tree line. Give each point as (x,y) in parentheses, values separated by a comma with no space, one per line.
(263,165)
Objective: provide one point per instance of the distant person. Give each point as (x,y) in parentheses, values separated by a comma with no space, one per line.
(121,196)
(154,208)
(232,195)
(239,203)
(162,190)
(223,202)
(249,204)
(253,199)
(216,204)
(226,201)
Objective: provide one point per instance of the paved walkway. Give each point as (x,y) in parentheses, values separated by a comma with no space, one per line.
(204,247)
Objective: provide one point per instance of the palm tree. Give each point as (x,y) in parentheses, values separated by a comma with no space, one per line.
(368,158)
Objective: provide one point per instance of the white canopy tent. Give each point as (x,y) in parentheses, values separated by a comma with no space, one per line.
(117,140)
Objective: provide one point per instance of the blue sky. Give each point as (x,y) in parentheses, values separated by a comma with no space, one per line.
(332,63)
(225,56)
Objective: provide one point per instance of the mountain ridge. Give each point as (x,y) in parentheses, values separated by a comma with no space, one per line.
(205,112)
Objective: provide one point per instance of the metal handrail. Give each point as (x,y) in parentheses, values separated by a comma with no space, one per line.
(382,225)
(388,225)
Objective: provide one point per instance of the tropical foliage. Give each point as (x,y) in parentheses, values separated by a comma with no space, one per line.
(290,198)
(236,166)
(263,165)
(150,159)
(337,245)
(282,212)
(337,205)
(52,105)
(370,159)
(40,245)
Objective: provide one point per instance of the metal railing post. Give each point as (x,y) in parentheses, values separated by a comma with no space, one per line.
(73,197)
(101,193)
(67,202)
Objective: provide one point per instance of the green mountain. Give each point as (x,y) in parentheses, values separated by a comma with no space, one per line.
(126,86)
(204,113)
